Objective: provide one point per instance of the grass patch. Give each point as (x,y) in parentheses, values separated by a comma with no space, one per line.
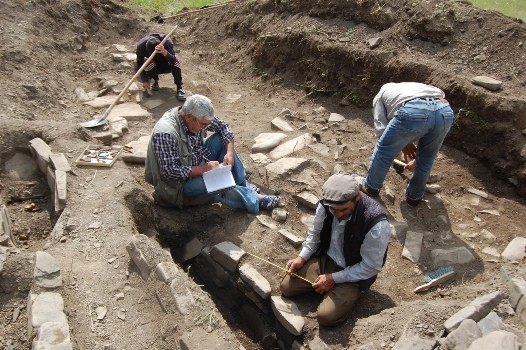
(169,6)
(512,8)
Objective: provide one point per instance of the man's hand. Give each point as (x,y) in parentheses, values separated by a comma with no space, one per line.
(295,264)
(409,152)
(323,284)
(161,49)
(211,165)
(228,159)
(411,165)
(146,85)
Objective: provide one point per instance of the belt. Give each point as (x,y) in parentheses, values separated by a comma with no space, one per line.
(441,99)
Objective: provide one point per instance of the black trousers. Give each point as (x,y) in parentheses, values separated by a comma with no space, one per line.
(163,68)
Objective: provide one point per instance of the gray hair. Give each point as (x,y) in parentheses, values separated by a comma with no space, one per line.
(199,106)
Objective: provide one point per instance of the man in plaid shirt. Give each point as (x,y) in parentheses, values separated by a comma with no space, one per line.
(178,155)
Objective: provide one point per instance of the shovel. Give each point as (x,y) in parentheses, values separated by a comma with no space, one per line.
(103,119)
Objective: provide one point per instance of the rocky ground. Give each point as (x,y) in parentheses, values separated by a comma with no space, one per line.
(255,59)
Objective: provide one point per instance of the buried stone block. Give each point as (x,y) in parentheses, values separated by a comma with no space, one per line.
(288,314)
(307,199)
(146,254)
(60,162)
(52,336)
(280,124)
(285,166)
(252,319)
(47,271)
(5,228)
(189,250)
(209,270)
(184,300)
(457,255)
(45,307)
(517,291)
(291,146)
(227,254)
(291,238)
(476,310)
(267,141)
(515,250)
(3,257)
(166,271)
(410,343)
(463,336)
(41,152)
(200,339)
(60,190)
(502,340)
(413,246)
(254,279)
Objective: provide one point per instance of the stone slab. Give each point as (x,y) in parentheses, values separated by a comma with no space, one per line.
(288,314)
(60,162)
(413,246)
(267,141)
(227,254)
(130,111)
(255,280)
(292,146)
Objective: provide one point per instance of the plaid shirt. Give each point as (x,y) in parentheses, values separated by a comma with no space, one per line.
(165,149)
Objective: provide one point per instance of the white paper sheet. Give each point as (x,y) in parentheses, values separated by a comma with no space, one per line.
(219,178)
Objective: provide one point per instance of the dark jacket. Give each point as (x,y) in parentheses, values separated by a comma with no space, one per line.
(159,60)
(366,214)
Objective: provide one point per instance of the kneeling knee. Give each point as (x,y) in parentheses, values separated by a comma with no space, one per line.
(329,320)
(285,291)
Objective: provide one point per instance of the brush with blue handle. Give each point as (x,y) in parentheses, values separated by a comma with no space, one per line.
(436,277)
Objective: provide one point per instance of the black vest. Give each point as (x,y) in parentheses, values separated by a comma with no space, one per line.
(365,215)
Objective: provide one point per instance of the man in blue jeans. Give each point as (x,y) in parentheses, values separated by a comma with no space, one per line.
(178,155)
(405,114)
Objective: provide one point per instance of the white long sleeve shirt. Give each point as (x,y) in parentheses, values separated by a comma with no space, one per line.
(372,249)
(392,95)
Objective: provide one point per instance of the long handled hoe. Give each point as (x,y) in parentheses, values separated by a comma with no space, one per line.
(103,118)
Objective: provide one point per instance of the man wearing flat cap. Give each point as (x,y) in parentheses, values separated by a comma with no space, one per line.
(345,249)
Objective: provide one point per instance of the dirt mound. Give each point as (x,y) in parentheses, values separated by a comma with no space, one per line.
(322,47)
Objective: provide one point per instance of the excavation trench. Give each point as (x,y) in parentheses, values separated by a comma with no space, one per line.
(190,234)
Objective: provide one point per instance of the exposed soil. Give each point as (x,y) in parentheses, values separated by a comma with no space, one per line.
(253,59)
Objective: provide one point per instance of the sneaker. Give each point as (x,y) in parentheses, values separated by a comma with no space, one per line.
(155,86)
(363,187)
(180,95)
(399,168)
(413,202)
(370,191)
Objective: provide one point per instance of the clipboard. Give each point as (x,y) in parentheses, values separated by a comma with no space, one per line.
(219,178)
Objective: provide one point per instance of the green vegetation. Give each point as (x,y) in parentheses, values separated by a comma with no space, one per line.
(170,6)
(512,8)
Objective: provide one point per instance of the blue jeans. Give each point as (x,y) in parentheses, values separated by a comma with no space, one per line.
(238,197)
(427,120)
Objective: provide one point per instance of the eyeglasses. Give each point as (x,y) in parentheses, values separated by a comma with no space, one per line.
(203,123)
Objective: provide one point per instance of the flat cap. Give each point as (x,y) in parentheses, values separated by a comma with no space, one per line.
(340,188)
